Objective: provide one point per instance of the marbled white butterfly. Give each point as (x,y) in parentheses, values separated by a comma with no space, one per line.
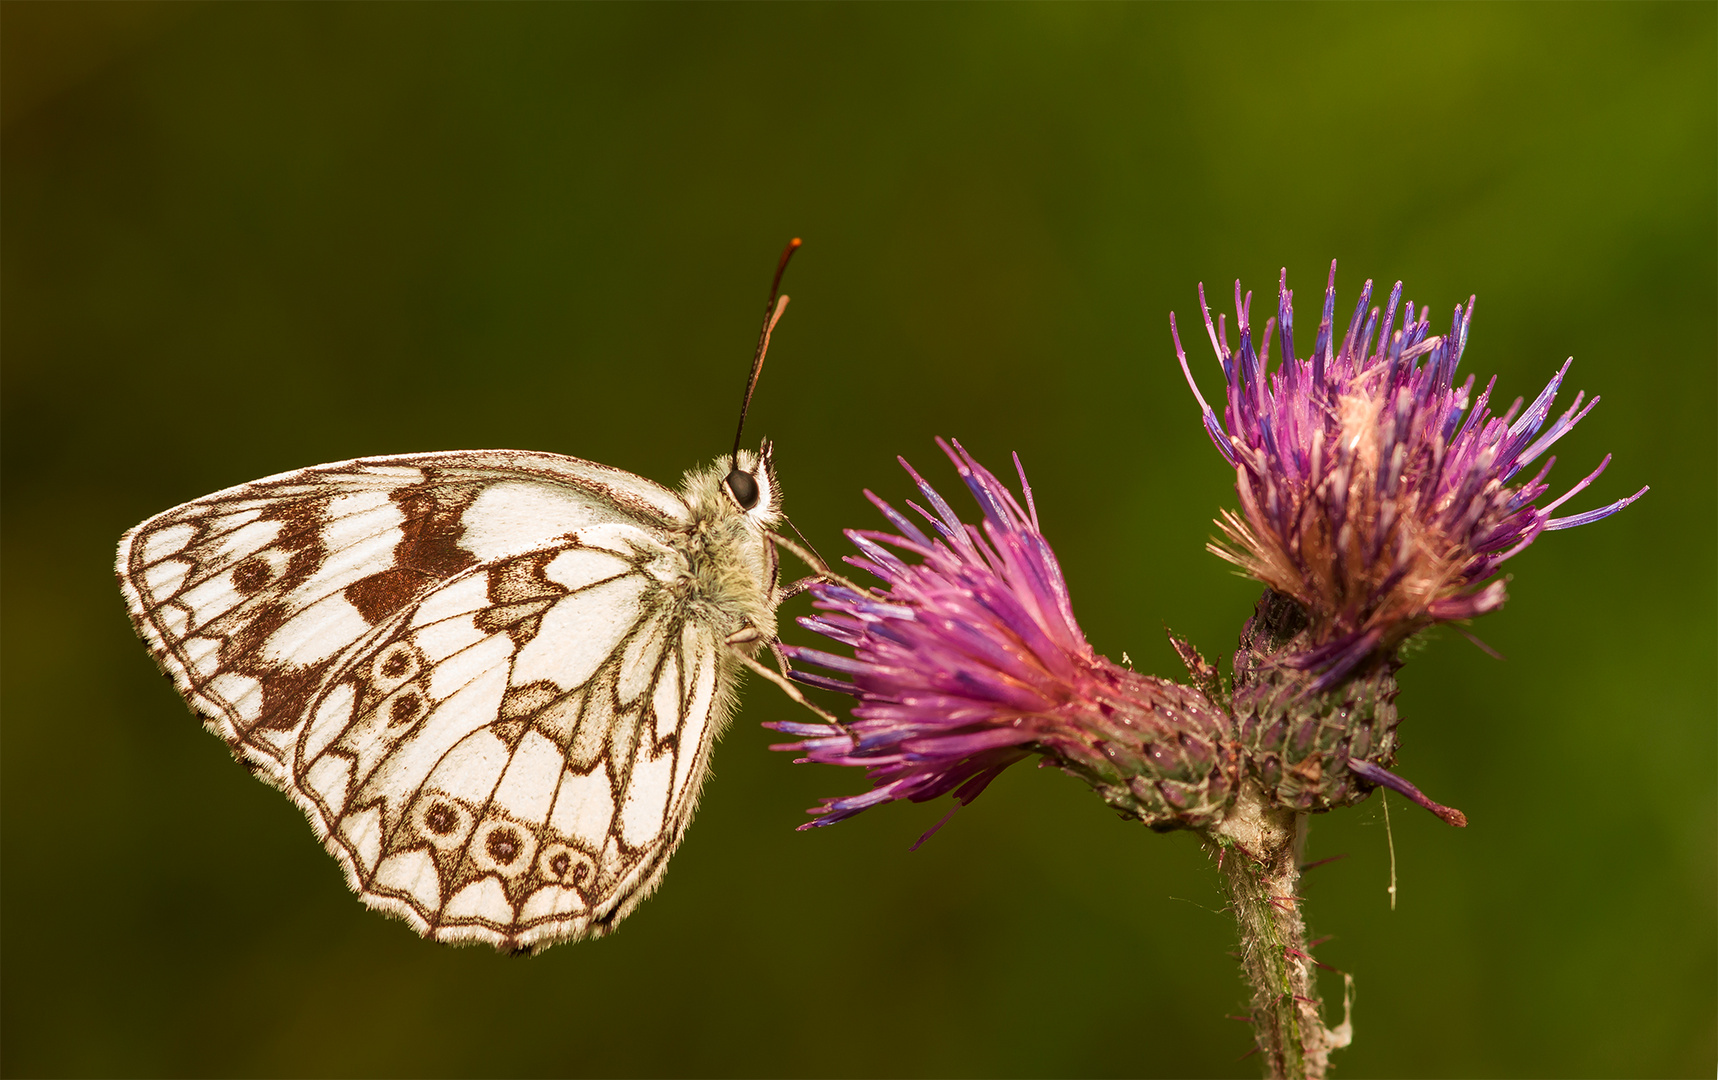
(490,678)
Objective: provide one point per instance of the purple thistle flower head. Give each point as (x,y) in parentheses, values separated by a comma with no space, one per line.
(1375,491)
(969,659)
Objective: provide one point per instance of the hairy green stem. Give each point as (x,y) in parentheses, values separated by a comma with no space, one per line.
(1259,845)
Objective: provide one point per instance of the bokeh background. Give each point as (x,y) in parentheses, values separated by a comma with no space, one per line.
(242,239)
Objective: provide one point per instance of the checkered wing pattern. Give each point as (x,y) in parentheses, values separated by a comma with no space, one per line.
(475,672)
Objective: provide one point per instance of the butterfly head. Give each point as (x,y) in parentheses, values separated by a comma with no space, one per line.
(751,485)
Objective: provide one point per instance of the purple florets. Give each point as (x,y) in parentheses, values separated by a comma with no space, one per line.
(1375,491)
(970,659)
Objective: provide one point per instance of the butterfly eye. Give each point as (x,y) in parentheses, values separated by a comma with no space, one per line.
(744,487)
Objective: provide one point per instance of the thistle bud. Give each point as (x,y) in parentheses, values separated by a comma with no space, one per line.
(1299,740)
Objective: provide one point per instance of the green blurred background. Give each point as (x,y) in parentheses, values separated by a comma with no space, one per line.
(242,239)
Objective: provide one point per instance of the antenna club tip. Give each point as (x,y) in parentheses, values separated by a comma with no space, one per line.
(795,242)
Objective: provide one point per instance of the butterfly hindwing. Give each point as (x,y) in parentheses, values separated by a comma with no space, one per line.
(518,771)
(474,672)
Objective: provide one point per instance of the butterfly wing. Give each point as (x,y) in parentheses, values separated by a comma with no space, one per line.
(475,672)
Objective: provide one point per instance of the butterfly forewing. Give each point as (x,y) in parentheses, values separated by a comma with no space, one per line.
(476,672)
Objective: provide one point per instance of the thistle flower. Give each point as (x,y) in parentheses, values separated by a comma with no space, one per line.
(1375,492)
(1377,497)
(970,659)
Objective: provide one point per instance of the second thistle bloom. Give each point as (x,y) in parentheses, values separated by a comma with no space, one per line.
(1375,490)
(1378,497)
(968,659)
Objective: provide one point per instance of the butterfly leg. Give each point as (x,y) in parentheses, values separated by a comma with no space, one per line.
(782,662)
(812,559)
(793,692)
(798,587)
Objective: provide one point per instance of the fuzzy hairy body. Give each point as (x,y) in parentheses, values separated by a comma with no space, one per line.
(731,565)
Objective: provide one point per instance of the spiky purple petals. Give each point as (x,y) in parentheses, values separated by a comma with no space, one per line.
(969,659)
(1374,490)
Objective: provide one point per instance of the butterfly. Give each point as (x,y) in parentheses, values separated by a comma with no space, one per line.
(491,679)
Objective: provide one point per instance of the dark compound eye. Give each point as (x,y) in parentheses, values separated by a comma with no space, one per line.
(745,488)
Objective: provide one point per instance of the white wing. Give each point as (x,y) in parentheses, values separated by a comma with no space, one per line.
(475,672)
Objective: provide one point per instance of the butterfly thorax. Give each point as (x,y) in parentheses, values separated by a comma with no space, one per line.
(731,563)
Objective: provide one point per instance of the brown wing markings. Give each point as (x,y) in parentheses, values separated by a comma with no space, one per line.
(303,520)
(672,632)
(370,650)
(430,544)
(427,553)
(286,693)
(646,872)
(451,862)
(522,578)
(642,718)
(461,871)
(396,834)
(300,501)
(529,701)
(387,591)
(520,621)
(519,593)
(240,637)
(403,631)
(622,744)
(458,870)
(391,700)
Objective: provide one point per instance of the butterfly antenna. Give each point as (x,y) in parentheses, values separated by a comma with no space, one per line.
(803,540)
(772,313)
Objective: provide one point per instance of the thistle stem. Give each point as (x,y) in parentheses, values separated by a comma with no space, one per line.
(1259,846)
